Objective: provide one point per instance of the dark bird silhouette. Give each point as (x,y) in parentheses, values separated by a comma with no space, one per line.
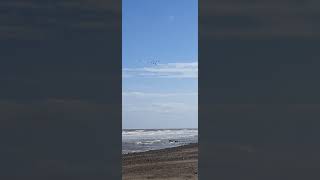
(155,62)
(152,62)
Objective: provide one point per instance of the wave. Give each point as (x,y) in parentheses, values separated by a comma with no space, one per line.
(144,140)
(151,133)
(148,142)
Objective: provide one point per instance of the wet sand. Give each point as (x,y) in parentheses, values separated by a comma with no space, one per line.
(171,164)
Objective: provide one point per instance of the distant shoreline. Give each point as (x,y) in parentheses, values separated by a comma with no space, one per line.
(159,129)
(170,163)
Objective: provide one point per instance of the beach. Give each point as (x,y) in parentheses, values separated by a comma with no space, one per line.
(171,163)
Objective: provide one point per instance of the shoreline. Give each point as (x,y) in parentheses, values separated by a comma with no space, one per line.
(172,148)
(174,163)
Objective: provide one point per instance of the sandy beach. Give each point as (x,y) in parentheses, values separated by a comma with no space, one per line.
(171,164)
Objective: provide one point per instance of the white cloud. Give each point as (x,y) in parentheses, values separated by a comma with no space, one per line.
(155,95)
(160,109)
(160,102)
(174,107)
(168,107)
(169,70)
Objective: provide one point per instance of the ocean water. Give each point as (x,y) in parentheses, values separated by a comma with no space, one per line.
(140,140)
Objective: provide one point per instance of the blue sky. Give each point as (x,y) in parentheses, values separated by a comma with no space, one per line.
(161,94)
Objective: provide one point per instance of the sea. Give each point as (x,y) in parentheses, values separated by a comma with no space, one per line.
(140,140)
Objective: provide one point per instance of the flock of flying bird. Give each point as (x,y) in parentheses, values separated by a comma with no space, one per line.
(152,62)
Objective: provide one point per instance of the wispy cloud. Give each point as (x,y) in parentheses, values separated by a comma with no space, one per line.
(144,94)
(162,107)
(160,102)
(169,70)
(174,107)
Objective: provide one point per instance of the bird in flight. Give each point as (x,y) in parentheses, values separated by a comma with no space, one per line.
(155,62)
(152,62)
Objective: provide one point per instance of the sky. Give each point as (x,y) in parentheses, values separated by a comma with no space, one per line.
(160,64)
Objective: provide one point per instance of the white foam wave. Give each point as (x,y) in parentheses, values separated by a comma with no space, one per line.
(148,142)
(161,134)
